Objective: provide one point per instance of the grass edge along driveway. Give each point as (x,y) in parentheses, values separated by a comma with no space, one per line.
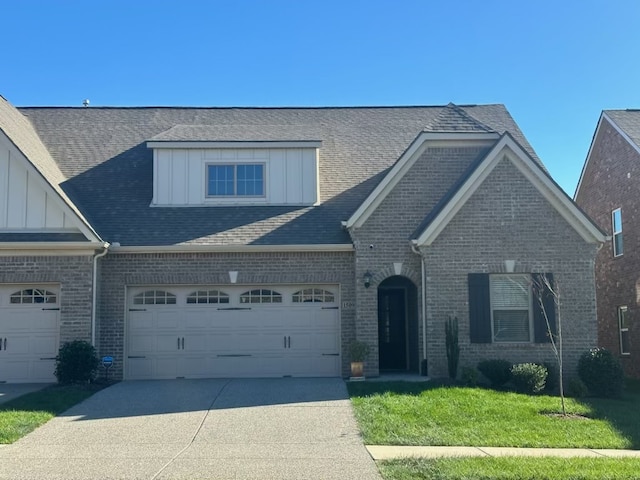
(24,414)
(406,413)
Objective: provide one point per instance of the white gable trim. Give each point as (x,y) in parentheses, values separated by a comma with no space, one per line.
(614,125)
(508,149)
(80,223)
(405,162)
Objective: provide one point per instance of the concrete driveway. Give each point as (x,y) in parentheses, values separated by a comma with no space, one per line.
(284,428)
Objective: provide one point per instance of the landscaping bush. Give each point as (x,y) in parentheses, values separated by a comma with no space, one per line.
(76,362)
(601,372)
(577,388)
(552,377)
(469,377)
(528,378)
(498,371)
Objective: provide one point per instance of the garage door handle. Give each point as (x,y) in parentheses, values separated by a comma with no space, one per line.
(5,343)
(233,355)
(330,354)
(289,341)
(182,343)
(330,308)
(136,356)
(234,308)
(47,358)
(58,309)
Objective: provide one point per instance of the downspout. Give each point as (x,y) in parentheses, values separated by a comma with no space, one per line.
(95,291)
(423,292)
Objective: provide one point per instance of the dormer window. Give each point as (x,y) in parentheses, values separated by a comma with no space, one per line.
(239,180)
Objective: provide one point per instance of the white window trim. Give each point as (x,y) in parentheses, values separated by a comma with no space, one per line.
(235,196)
(616,232)
(622,308)
(530,308)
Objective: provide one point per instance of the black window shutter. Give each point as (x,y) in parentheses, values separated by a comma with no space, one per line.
(541,291)
(479,308)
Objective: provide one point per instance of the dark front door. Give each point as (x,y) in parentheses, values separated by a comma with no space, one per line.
(392,329)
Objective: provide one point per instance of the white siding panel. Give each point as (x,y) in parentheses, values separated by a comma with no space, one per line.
(309,177)
(4,190)
(294,177)
(163,177)
(17,204)
(54,217)
(36,203)
(276,177)
(196,177)
(179,177)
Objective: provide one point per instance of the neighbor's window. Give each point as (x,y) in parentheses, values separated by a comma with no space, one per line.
(511,308)
(616,224)
(623,322)
(241,180)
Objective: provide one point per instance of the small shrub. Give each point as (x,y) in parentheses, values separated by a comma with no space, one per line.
(498,372)
(453,349)
(528,378)
(577,388)
(469,376)
(552,377)
(601,372)
(76,362)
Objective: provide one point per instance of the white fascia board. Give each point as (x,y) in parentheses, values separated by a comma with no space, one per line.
(404,163)
(509,149)
(340,247)
(50,248)
(240,144)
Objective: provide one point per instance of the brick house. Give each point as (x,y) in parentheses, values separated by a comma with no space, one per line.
(608,192)
(206,242)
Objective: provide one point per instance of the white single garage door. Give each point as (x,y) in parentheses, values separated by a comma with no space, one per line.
(233,331)
(29,333)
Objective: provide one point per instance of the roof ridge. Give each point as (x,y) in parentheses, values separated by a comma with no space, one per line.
(453,118)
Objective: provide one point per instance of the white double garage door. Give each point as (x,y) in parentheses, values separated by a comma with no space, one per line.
(232,331)
(29,332)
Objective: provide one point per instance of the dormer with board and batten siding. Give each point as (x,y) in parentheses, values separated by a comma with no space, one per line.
(223,165)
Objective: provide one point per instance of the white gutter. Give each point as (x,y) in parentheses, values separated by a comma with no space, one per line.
(423,273)
(95,292)
(339,247)
(50,245)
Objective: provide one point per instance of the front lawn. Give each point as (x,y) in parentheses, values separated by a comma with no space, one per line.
(24,414)
(405,413)
(511,468)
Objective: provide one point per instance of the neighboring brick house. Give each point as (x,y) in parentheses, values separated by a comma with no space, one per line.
(609,191)
(218,242)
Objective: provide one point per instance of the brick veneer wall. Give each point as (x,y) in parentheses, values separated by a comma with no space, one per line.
(72,273)
(508,219)
(120,270)
(611,180)
(385,237)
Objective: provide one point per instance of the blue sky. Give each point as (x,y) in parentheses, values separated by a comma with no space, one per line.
(554,64)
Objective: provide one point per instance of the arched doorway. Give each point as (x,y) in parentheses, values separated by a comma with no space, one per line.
(398,325)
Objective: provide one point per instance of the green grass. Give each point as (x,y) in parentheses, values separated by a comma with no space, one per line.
(404,413)
(24,414)
(511,468)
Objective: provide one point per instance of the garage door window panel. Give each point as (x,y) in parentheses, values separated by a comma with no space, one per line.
(262,296)
(313,295)
(207,296)
(33,295)
(154,297)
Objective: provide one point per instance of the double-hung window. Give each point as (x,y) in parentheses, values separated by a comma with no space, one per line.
(623,325)
(511,308)
(616,226)
(236,180)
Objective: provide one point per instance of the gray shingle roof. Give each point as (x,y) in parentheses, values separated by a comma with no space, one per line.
(628,121)
(238,133)
(107,167)
(454,119)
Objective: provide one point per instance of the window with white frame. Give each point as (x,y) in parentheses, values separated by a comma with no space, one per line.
(623,325)
(236,180)
(616,227)
(511,317)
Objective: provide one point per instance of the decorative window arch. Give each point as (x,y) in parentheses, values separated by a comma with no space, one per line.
(33,295)
(154,297)
(207,296)
(313,295)
(261,295)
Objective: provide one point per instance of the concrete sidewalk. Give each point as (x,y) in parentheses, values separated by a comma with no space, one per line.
(389,452)
(199,429)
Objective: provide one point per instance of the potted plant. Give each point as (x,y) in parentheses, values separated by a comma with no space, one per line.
(358,351)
